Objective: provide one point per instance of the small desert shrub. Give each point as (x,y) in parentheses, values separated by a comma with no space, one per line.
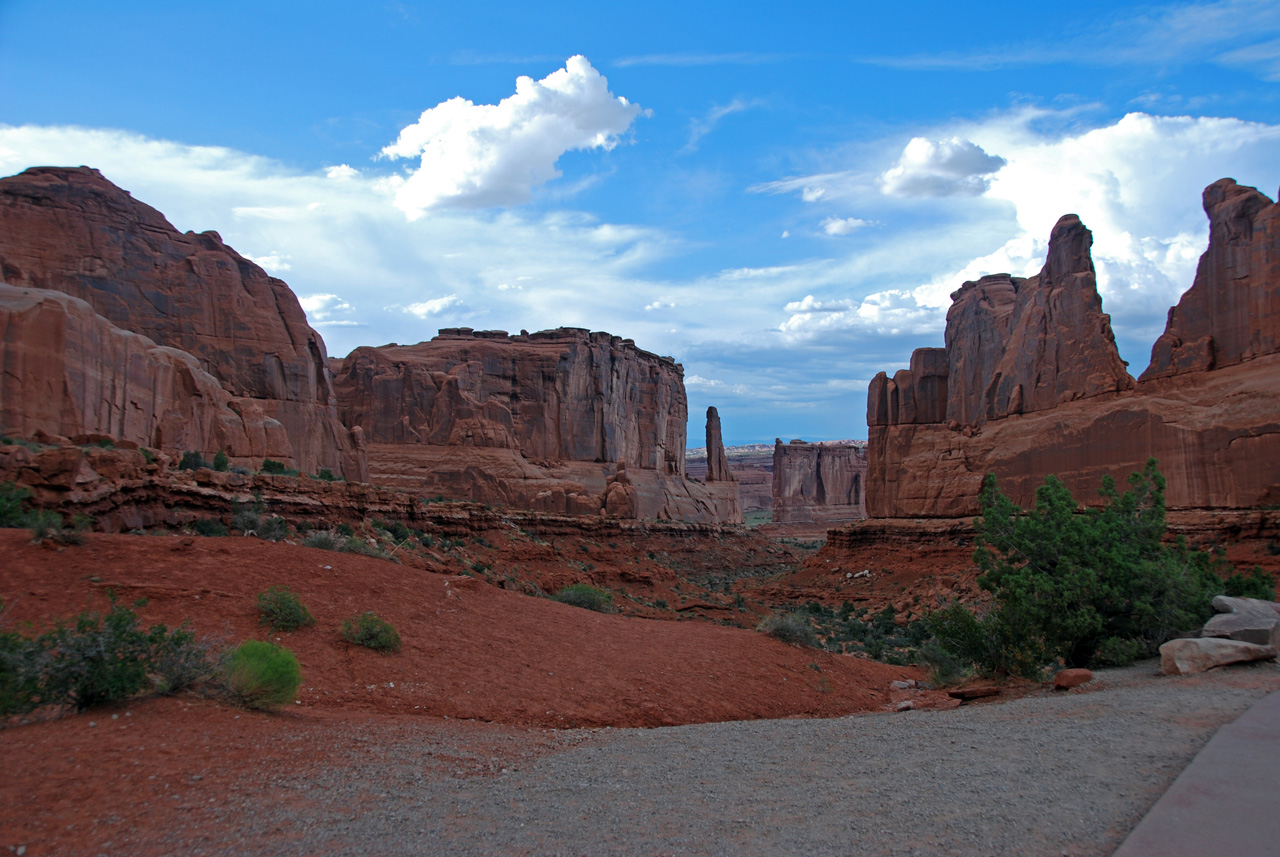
(192,460)
(181,661)
(246,519)
(13,499)
(396,529)
(794,627)
(282,611)
(372,632)
(277,468)
(209,527)
(355,544)
(220,462)
(943,667)
(47,525)
(262,675)
(326,475)
(587,596)
(324,539)
(273,529)
(345,529)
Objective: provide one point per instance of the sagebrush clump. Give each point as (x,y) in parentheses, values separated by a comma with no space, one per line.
(794,627)
(97,658)
(281,610)
(372,632)
(587,596)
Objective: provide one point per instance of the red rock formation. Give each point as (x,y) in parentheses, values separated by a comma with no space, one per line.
(717,462)
(71,230)
(1231,313)
(66,370)
(533,421)
(818,482)
(1033,384)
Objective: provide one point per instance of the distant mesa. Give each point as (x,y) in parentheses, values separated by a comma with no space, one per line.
(538,421)
(818,482)
(1030,383)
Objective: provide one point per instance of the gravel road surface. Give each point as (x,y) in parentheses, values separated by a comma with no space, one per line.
(1047,774)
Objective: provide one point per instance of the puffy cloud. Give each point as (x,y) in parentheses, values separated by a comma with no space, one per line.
(951,167)
(435,306)
(843,225)
(483,155)
(659,305)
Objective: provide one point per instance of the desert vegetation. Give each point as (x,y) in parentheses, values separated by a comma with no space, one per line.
(97,658)
(1090,587)
(372,632)
(281,610)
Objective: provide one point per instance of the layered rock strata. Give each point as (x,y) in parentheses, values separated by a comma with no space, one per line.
(66,370)
(72,231)
(1030,383)
(818,482)
(549,421)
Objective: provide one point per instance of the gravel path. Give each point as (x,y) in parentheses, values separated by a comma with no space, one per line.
(1048,774)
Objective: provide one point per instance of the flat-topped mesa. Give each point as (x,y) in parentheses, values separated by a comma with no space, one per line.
(1231,313)
(1033,384)
(818,482)
(557,395)
(564,420)
(70,230)
(717,462)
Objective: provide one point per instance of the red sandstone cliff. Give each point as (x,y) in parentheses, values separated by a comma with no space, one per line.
(72,231)
(66,370)
(818,482)
(556,421)
(1030,383)
(1231,313)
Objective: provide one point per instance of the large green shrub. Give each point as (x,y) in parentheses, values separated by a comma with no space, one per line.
(1088,588)
(262,675)
(282,611)
(372,632)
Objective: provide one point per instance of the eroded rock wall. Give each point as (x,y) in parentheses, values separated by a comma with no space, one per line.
(72,231)
(66,370)
(1033,384)
(818,482)
(533,420)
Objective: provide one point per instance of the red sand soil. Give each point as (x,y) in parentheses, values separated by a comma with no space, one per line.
(472,651)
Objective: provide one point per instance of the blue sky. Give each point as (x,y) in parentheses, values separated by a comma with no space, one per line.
(781,196)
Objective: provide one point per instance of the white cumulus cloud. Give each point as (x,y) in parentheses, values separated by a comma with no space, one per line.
(483,155)
(951,167)
(842,225)
(435,306)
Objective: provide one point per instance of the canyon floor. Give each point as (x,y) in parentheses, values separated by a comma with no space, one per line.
(507,724)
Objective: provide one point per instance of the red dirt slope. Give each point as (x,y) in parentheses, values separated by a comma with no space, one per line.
(471,650)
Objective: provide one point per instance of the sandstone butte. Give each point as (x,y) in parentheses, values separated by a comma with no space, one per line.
(818,482)
(1030,383)
(223,357)
(113,323)
(562,421)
